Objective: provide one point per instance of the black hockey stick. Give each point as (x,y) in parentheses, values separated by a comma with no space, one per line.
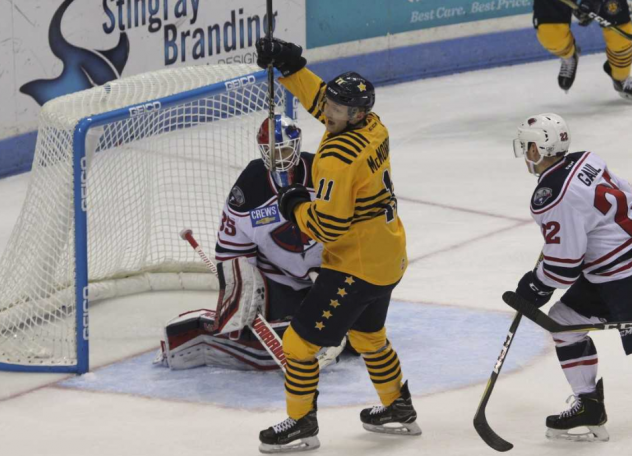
(480,420)
(271,139)
(600,20)
(544,321)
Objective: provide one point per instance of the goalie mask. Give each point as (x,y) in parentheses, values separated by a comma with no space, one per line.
(548,132)
(287,139)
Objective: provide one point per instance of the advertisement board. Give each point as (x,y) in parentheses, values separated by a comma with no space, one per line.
(49,48)
(333,21)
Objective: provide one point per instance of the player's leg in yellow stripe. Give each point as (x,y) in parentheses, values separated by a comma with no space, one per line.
(301,376)
(619,52)
(381,362)
(557,39)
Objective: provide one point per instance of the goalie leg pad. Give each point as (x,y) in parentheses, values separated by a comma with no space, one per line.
(243,294)
(191,342)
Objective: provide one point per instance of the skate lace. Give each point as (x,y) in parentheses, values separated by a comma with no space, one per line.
(627,84)
(284,425)
(575,406)
(377,410)
(568,67)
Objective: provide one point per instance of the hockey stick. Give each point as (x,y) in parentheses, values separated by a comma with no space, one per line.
(271,135)
(544,321)
(260,327)
(600,20)
(480,420)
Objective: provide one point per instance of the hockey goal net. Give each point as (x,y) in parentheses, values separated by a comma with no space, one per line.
(118,171)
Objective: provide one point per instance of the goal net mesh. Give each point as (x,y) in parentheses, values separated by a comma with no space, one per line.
(148,173)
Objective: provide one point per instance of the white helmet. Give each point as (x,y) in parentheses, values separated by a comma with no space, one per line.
(550,134)
(287,138)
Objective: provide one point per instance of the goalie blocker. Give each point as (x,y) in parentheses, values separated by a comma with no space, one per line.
(222,338)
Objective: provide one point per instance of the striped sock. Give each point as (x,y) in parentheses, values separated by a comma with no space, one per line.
(579,362)
(301,383)
(385,373)
(619,52)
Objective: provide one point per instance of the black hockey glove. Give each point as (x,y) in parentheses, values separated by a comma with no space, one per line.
(585,8)
(286,57)
(533,290)
(289,198)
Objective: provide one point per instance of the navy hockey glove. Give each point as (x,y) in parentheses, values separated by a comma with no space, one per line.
(533,290)
(290,197)
(286,57)
(585,8)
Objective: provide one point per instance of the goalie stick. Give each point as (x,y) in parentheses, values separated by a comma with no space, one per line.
(480,420)
(544,321)
(600,20)
(260,327)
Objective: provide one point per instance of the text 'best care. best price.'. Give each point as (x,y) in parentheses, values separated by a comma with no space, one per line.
(444,12)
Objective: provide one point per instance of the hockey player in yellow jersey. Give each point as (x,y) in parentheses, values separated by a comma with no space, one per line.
(552,20)
(355,217)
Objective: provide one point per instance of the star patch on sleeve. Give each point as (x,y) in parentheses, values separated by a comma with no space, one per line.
(319,325)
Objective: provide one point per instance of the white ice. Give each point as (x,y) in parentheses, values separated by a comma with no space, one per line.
(464,201)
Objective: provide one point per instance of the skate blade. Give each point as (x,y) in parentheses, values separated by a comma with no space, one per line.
(594,434)
(399,428)
(625,96)
(306,444)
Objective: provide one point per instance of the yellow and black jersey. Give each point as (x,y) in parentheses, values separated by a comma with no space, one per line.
(354,214)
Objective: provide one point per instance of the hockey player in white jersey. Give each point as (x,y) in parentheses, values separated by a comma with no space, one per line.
(257,250)
(583,210)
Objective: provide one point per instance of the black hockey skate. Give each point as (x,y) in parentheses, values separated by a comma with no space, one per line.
(291,435)
(588,411)
(624,88)
(568,71)
(400,415)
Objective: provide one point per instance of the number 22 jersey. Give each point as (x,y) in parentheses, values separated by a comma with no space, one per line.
(583,210)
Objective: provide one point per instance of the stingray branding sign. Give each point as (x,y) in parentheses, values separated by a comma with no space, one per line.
(50,48)
(194,30)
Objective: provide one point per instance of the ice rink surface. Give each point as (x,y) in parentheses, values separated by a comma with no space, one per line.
(464,201)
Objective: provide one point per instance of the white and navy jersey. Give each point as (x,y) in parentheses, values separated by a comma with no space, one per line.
(584,213)
(252,226)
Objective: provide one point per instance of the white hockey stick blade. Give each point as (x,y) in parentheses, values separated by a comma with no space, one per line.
(330,354)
